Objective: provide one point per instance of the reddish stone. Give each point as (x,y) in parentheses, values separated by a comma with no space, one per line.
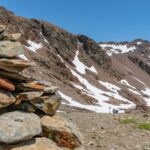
(6,85)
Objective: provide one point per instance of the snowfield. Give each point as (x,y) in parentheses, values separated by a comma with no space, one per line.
(116,49)
(102,96)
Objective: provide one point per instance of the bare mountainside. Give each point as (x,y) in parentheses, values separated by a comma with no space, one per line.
(97,77)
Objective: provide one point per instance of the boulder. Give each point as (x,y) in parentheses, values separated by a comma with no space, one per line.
(48,104)
(18,126)
(6,85)
(34,144)
(6,99)
(10,49)
(61,131)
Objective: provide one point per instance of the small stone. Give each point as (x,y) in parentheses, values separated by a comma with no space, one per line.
(6,99)
(18,126)
(48,104)
(32,86)
(51,89)
(28,96)
(6,85)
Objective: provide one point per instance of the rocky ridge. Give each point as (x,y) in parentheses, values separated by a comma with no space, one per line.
(28,107)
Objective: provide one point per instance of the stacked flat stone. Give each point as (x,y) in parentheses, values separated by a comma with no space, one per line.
(16,87)
(27,106)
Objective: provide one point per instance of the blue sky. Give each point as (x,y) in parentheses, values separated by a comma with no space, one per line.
(102,20)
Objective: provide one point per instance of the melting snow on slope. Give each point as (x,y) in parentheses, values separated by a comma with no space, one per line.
(80,67)
(74,103)
(33,46)
(117,49)
(83,90)
(147,92)
(125,82)
(103,96)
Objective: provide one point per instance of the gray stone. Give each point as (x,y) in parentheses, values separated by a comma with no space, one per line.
(18,126)
(10,49)
(48,104)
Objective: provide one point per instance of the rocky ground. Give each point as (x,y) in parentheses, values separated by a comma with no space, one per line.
(112,132)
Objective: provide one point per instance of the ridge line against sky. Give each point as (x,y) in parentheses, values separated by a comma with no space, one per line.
(102,20)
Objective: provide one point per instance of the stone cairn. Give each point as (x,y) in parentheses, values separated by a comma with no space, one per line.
(28,119)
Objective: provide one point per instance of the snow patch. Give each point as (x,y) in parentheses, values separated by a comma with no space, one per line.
(62,60)
(125,82)
(135,92)
(109,86)
(33,46)
(80,67)
(138,43)
(146,91)
(45,40)
(22,56)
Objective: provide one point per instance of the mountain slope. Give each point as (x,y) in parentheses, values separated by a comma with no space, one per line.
(94,76)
